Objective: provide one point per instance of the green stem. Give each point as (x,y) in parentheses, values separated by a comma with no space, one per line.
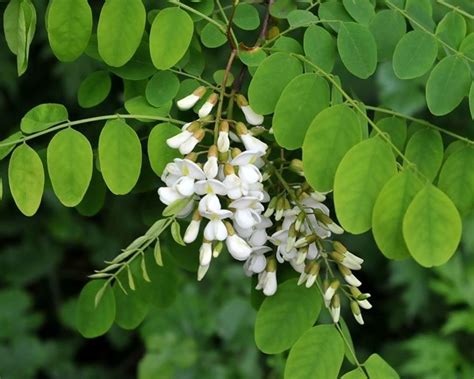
(421,122)
(86,121)
(413,21)
(456,9)
(198,78)
(192,10)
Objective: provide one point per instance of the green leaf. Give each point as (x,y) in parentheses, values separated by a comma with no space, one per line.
(176,233)
(318,354)
(170,37)
(212,36)
(281,8)
(139,106)
(288,44)
(396,128)
(333,10)
(94,89)
(120,156)
(471,100)
(432,227)
(389,210)
(218,77)
(26,178)
(354,374)
(363,172)
(357,49)
(271,77)
(294,307)
(26,31)
(120,30)
(420,12)
(94,198)
(361,10)
(246,17)
(305,96)
(69,158)
(331,134)
(91,320)
(159,153)
(139,67)
(43,117)
(447,85)
(5,150)
(425,149)
(301,17)
(414,55)
(10,24)
(320,47)
(377,368)
(162,88)
(452,29)
(69,28)
(388,27)
(457,181)
(131,310)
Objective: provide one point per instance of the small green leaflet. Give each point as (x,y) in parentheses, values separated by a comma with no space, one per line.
(271,77)
(159,153)
(447,85)
(320,47)
(69,28)
(331,134)
(246,17)
(456,179)
(26,178)
(359,179)
(170,37)
(318,354)
(452,29)
(162,88)
(396,128)
(361,10)
(294,307)
(26,30)
(389,210)
(176,233)
(120,156)
(432,227)
(425,149)
(5,150)
(414,55)
(131,310)
(69,157)
(388,27)
(357,49)
(334,10)
(212,36)
(94,89)
(305,96)
(376,368)
(43,117)
(94,319)
(120,30)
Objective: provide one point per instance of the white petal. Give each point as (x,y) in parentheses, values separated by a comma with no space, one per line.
(188,145)
(310,280)
(246,218)
(359,318)
(312,251)
(202,270)
(176,141)
(209,204)
(364,304)
(169,195)
(187,102)
(217,187)
(205,109)
(209,231)
(185,186)
(352,280)
(250,174)
(220,230)
(205,254)
(250,115)
(243,232)
(192,169)
(252,143)
(223,142)
(192,231)
(258,238)
(238,248)
(245,157)
(270,284)
(211,167)
(186,211)
(335,313)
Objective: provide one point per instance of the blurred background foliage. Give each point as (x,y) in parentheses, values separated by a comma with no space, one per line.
(422,321)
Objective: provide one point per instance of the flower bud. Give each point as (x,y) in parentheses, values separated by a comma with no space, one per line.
(191,142)
(189,101)
(223,142)
(192,230)
(296,165)
(356,312)
(330,292)
(250,115)
(335,308)
(206,108)
(349,277)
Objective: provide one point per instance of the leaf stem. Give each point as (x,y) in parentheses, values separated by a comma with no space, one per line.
(192,10)
(456,9)
(198,78)
(86,121)
(421,122)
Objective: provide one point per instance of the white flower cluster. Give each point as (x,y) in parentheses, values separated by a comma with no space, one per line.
(226,193)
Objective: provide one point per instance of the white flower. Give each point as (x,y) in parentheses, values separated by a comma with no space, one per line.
(267,281)
(169,195)
(352,280)
(192,230)
(251,116)
(259,235)
(185,186)
(187,146)
(223,142)
(179,168)
(180,138)
(202,270)
(210,186)
(247,211)
(248,172)
(356,312)
(335,309)
(238,248)
(189,101)
(211,167)
(206,108)
(257,261)
(250,142)
(364,304)
(331,291)
(205,253)
(236,188)
(208,204)
(215,228)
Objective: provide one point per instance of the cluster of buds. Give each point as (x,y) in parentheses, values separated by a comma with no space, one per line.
(220,187)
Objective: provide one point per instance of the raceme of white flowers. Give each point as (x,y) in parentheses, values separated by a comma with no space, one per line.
(222,188)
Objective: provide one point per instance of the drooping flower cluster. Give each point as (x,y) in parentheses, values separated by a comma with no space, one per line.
(221,186)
